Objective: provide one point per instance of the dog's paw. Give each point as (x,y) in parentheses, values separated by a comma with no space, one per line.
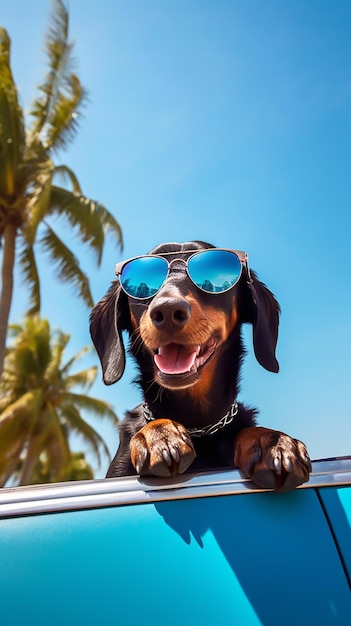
(272,459)
(162,448)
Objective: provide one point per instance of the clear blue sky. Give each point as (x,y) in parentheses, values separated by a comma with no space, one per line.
(228,121)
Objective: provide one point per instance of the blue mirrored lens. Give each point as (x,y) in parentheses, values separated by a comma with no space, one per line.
(142,278)
(214,271)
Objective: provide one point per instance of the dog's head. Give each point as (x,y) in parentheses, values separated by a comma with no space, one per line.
(181,308)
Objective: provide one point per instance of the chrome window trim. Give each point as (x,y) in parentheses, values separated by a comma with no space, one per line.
(73,496)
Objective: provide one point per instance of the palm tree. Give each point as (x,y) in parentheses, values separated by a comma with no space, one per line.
(39,409)
(30,198)
(78,469)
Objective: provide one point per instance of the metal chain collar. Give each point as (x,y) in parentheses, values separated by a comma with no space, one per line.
(207,430)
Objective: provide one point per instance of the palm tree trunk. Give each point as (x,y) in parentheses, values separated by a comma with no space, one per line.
(8,260)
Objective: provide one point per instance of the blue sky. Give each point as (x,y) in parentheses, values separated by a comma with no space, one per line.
(227,121)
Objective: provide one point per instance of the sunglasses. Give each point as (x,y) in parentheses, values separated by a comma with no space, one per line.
(214,270)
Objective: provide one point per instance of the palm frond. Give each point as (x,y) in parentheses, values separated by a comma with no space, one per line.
(49,440)
(67,174)
(14,330)
(56,443)
(57,51)
(53,372)
(12,131)
(23,411)
(110,224)
(21,367)
(92,405)
(62,123)
(84,378)
(91,219)
(67,265)
(66,368)
(38,203)
(55,112)
(6,78)
(13,430)
(31,353)
(30,277)
(7,397)
(78,425)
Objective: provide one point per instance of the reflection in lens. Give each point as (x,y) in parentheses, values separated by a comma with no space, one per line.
(214,271)
(142,278)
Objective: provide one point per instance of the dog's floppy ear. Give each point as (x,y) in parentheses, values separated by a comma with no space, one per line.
(262,310)
(107,320)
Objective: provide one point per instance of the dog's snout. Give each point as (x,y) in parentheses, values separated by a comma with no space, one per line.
(169,314)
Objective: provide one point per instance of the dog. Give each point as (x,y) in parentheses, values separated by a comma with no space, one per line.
(183,307)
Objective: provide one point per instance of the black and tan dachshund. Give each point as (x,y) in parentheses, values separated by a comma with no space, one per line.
(183,306)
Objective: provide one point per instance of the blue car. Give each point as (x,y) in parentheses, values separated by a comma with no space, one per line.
(204,549)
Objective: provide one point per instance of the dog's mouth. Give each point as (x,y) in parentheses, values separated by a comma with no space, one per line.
(182,361)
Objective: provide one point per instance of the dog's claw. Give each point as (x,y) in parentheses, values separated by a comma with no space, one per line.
(277,465)
(288,465)
(187,439)
(167,457)
(175,454)
(170,456)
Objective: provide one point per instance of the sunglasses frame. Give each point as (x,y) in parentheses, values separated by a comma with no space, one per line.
(242,256)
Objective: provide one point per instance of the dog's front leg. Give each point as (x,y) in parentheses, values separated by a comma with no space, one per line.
(162,448)
(272,459)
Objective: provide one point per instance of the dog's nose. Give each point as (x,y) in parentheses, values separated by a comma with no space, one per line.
(169,314)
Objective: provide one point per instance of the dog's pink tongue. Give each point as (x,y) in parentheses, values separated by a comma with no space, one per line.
(175,358)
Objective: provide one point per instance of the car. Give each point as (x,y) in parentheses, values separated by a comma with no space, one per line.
(200,549)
